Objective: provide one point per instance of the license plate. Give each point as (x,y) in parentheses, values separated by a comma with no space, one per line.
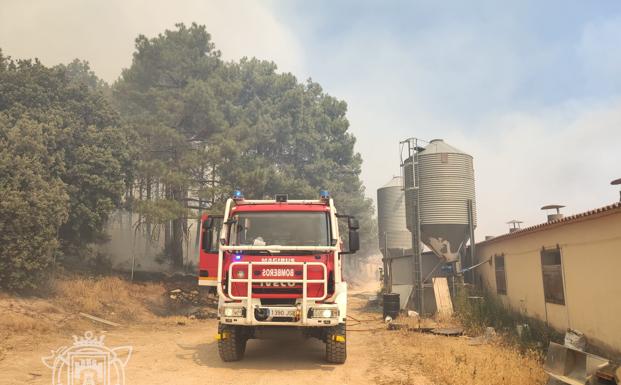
(282,313)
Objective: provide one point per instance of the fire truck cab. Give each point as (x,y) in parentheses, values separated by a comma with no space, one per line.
(276,266)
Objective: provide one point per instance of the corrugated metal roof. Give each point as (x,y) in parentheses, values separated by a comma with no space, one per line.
(606,210)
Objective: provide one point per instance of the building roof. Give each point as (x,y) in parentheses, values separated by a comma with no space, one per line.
(614,208)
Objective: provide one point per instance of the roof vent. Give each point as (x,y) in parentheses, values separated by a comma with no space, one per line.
(515,225)
(554,216)
(617,182)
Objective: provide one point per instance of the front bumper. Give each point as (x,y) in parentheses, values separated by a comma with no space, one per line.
(246,309)
(303,313)
(256,314)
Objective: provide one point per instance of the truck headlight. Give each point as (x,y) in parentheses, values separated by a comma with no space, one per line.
(233,311)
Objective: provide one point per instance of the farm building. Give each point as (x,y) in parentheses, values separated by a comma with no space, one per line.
(564,272)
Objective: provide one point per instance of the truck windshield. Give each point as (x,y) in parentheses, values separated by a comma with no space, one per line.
(290,228)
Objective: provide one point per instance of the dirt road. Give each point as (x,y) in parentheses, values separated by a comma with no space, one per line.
(178,350)
(173,354)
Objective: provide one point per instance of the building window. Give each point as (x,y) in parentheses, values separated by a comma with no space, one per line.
(551,267)
(501,274)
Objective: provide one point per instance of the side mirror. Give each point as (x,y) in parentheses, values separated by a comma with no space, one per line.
(354,237)
(353,223)
(354,240)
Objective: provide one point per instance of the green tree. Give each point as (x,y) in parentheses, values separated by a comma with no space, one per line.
(79,145)
(292,138)
(207,127)
(170,99)
(32,208)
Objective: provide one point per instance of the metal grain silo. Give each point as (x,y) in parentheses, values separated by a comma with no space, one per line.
(444,190)
(394,237)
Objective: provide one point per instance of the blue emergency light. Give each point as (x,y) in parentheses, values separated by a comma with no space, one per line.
(238,195)
(324,194)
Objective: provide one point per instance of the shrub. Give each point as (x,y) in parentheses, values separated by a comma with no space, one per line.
(32,208)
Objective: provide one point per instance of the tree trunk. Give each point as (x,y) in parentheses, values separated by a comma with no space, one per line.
(167,235)
(178,230)
(176,246)
(147,245)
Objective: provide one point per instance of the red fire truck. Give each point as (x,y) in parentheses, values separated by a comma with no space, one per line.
(276,266)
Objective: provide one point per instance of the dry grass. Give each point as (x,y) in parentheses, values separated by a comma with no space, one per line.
(27,315)
(21,323)
(452,361)
(23,320)
(490,311)
(110,297)
(28,321)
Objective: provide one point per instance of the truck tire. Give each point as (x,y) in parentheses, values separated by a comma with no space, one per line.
(336,345)
(232,342)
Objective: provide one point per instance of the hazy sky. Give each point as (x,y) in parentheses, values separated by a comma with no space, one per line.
(531,89)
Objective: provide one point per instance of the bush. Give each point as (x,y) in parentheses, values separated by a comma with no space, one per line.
(64,160)
(32,208)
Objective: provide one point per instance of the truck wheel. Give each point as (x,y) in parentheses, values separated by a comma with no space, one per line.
(336,345)
(231,342)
